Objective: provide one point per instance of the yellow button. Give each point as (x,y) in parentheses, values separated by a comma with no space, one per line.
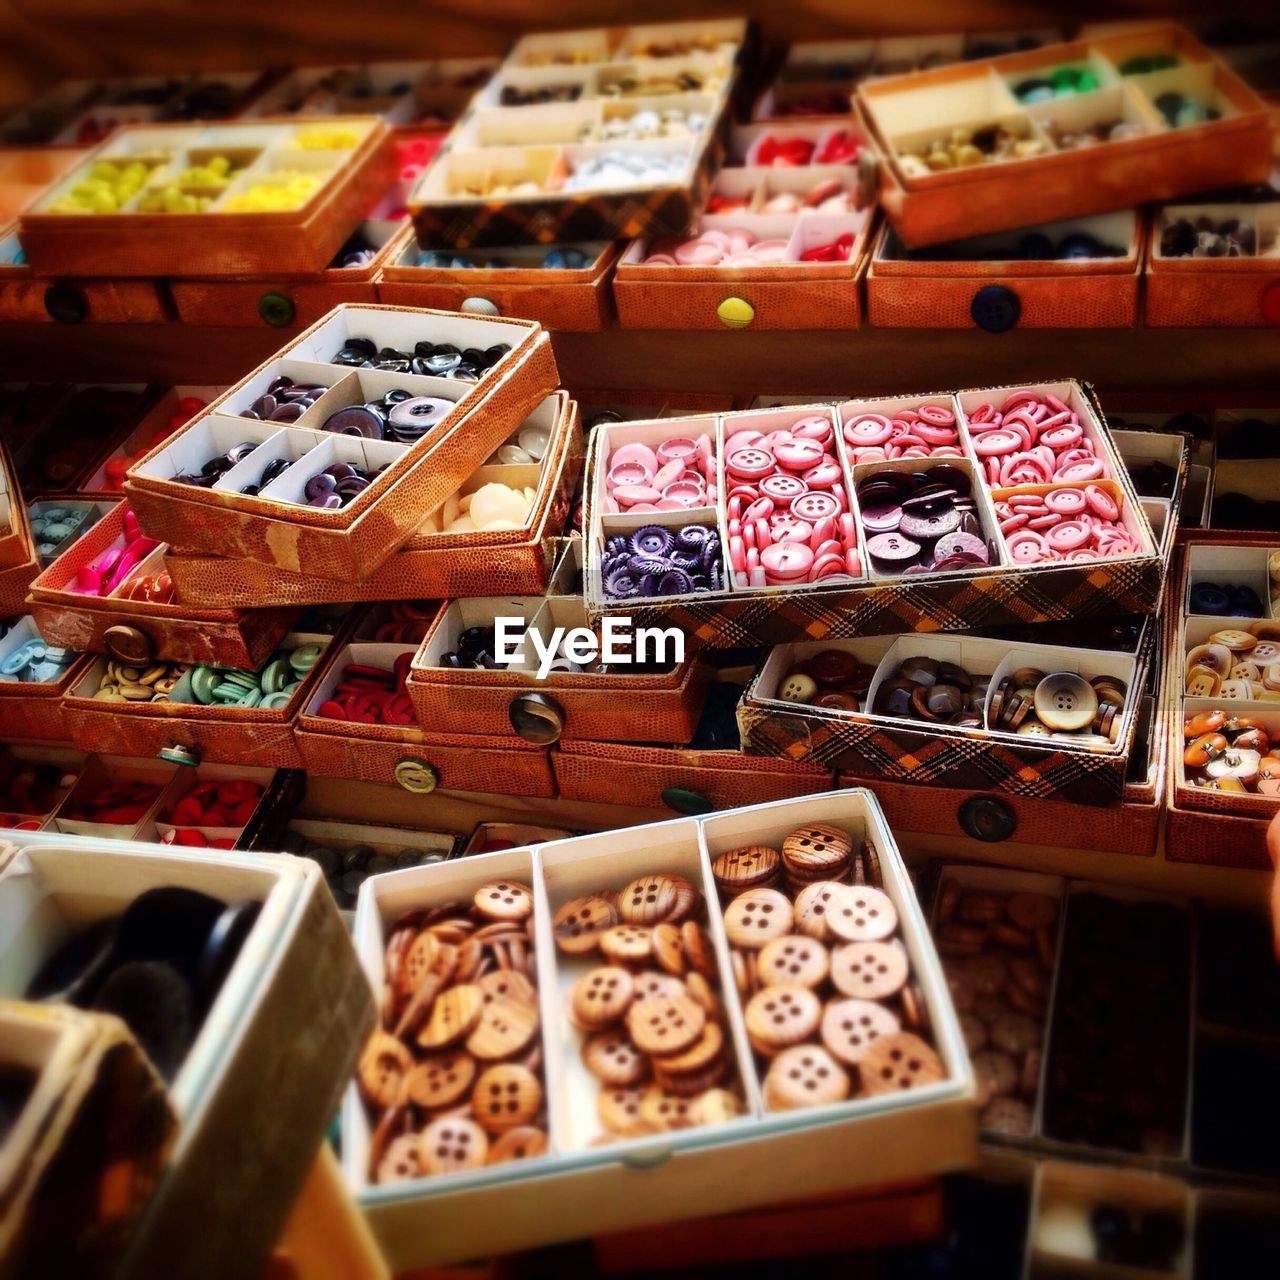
(736,313)
(417,776)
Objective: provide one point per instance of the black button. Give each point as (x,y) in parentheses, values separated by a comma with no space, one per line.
(536,718)
(65,304)
(987,818)
(995,308)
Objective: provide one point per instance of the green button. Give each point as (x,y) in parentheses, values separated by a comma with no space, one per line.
(304,657)
(276,674)
(684,800)
(276,309)
(204,684)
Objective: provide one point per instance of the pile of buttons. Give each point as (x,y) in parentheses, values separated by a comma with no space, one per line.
(56,525)
(491,508)
(154,588)
(679,474)
(669,122)
(123,803)
(370,695)
(528,445)
(338,484)
(1118,130)
(1206,237)
(435,359)
(346,869)
(1181,109)
(829,195)
(407,622)
(108,187)
(833,679)
(839,146)
(1061,704)
(965,147)
(33,789)
(921,521)
(158,966)
(515,97)
(358,251)
(1243,665)
(288,189)
(928,431)
(475,649)
(1141,64)
(284,401)
(831,1007)
(1033,438)
(1155,479)
(657,561)
(36,662)
(1226,600)
(934,692)
(817,104)
(1064,524)
(397,415)
(111,567)
(270,687)
(207,805)
(789,521)
(212,470)
(716,248)
(114,469)
(122,682)
(1227,752)
(1060,82)
(564,257)
(625,168)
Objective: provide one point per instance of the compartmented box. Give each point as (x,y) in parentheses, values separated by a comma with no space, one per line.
(431,563)
(588,1187)
(1079,273)
(292,1003)
(1008,590)
(139,630)
(883,736)
(1061,132)
(420,761)
(184,726)
(1214,265)
(463,422)
(39,776)
(505,281)
(593,701)
(1224,716)
(806,275)
(32,708)
(233,199)
(579,144)
(19,562)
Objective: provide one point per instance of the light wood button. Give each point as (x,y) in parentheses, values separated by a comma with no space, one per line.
(813,905)
(793,959)
(504,900)
(452,1144)
(505,1028)
(613,1059)
(649,899)
(578,924)
(756,917)
(384,1063)
(454,1016)
(871,970)
(862,914)
(744,868)
(602,996)
(521,1143)
(627,943)
(816,845)
(900,1061)
(849,1027)
(804,1076)
(665,1024)
(440,1080)
(780,1016)
(505,1096)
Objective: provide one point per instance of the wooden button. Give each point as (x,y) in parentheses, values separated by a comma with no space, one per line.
(756,917)
(399,1163)
(521,1143)
(504,900)
(899,1061)
(816,846)
(700,990)
(382,1068)
(780,1016)
(507,984)
(505,1028)
(619,1111)
(648,899)
(812,905)
(660,1109)
(1236,641)
(628,943)
(505,1096)
(849,1027)
(452,1144)
(578,924)
(613,1059)
(793,959)
(665,1024)
(871,970)
(650,983)
(427,954)
(700,1055)
(601,997)
(697,948)
(745,868)
(668,948)
(862,914)
(804,1076)
(440,1081)
(454,1016)
(1065,702)
(715,1106)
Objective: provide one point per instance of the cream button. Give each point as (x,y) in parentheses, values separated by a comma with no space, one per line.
(797,688)
(1064,701)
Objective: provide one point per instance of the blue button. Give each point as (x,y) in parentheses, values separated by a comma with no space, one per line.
(995,308)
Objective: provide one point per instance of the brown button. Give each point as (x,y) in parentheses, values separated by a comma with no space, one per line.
(504,900)
(613,1059)
(441,1080)
(833,667)
(804,1076)
(900,1061)
(505,1096)
(129,644)
(836,700)
(452,1144)
(578,924)
(780,1016)
(850,1026)
(744,868)
(665,1024)
(1064,701)
(756,917)
(793,959)
(995,1075)
(649,899)
(818,846)
(1236,641)
(870,970)
(601,997)
(521,1143)
(1031,910)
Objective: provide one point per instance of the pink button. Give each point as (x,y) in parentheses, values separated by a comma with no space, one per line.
(870,429)
(635,452)
(800,455)
(1000,441)
(815,506)
(787,560)
(1101,502)
(629,473)
(684,494)
(629,494)
(1067,536)
(783,487)
(1027,547)
(753,464)
(825,475)
(1066,502)
(669,473)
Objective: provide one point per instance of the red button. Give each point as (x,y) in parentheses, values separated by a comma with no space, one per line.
(1269,303)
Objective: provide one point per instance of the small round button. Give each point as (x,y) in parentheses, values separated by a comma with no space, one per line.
(129,644)
(995,308)
(478,306)
(1065,701)
(536,718)
(417,776)
(276,310)
(987,818)
(735,313)
(176,753)
(66,304)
